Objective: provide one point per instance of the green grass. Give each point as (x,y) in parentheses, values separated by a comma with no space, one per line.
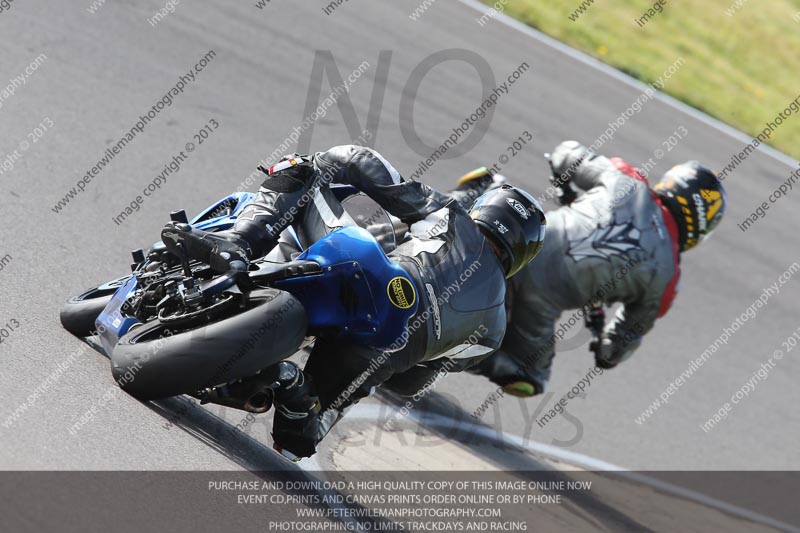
(742,69)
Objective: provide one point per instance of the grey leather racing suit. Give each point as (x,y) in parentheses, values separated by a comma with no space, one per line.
(615,243)
(459,280)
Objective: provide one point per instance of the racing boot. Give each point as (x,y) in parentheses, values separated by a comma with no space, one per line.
(222,251)
(515,380)
(296,427)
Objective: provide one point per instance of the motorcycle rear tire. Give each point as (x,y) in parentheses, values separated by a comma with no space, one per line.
(79,313)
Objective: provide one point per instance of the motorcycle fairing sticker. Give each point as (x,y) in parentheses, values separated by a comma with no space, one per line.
(605,242)
(401,292)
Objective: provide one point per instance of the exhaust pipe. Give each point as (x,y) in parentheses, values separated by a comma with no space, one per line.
(254,395)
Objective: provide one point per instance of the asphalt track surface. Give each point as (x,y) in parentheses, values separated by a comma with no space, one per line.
(102,71)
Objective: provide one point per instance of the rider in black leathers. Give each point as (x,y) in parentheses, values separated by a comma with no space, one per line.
(457,259)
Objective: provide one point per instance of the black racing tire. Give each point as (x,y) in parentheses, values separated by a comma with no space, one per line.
(150,362)
(79,313)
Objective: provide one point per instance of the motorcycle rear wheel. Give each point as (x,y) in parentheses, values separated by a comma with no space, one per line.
(78,314)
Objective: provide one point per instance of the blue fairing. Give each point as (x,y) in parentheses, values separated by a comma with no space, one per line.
(360,296)
(210,220)
(112,324)
(356,296)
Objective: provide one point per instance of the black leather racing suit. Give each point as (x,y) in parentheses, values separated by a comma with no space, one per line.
(615,243)
(459,279)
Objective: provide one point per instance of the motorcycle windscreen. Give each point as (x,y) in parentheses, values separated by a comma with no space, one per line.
(373,218)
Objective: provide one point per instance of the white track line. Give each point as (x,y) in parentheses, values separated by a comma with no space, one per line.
(372,413)
(627,80)
(310,465)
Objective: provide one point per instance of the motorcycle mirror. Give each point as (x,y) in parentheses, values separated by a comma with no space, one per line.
(179,216)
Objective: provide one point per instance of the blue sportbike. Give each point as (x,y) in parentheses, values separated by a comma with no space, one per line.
(173,326)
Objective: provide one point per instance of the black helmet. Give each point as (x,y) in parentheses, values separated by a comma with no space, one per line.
(696,199)
(514,221)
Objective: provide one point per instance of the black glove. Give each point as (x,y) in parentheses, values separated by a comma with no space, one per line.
(223,251)
(564,162)
(565,193)
(604,363)
(603,354)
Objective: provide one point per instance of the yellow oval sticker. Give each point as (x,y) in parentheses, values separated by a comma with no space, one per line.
(401,292)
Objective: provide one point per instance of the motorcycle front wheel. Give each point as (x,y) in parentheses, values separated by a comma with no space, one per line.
(155,360)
